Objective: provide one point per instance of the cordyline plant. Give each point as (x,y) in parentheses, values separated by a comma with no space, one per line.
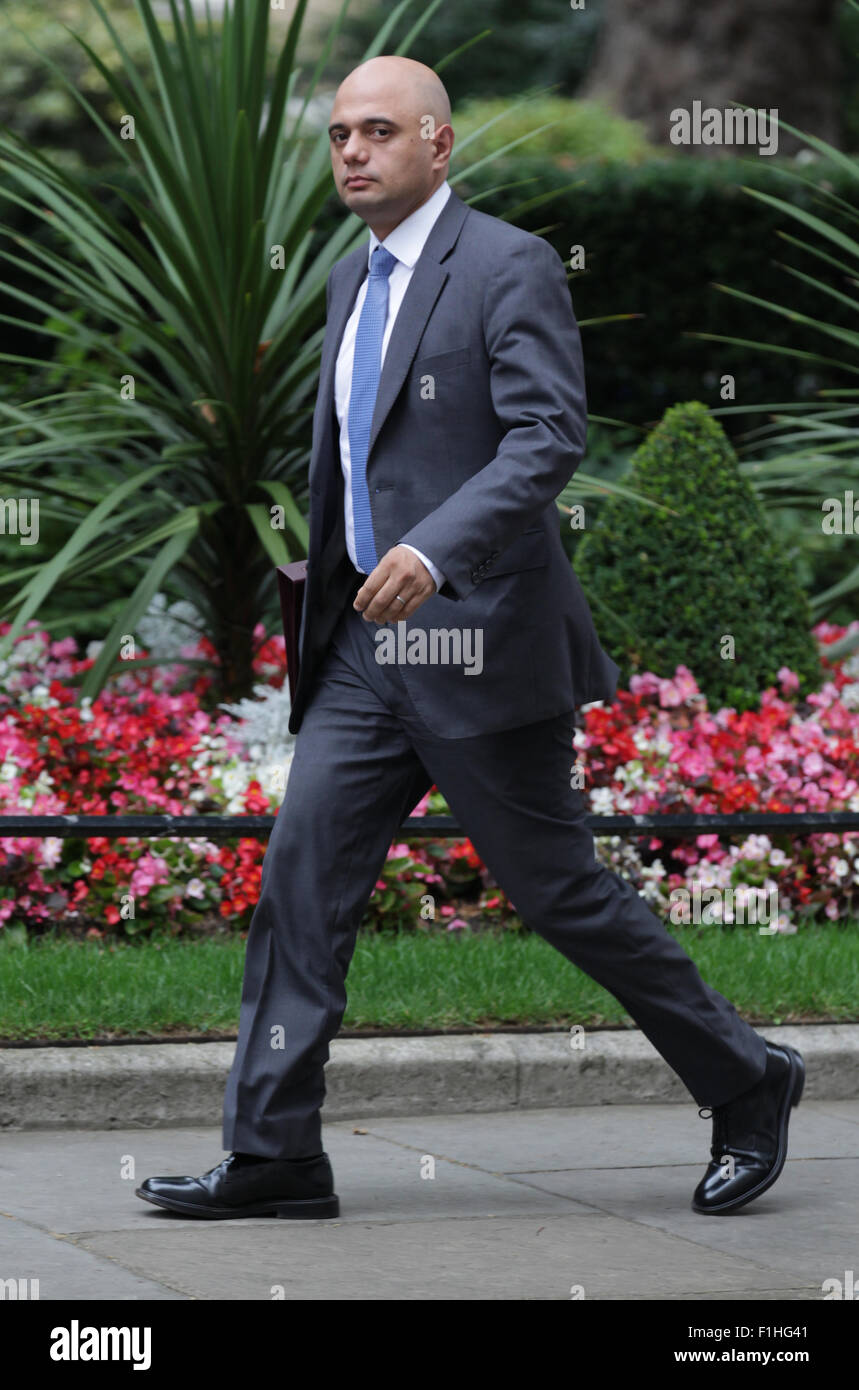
(177,455)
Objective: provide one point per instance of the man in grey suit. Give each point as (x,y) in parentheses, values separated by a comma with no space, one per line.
(446,640)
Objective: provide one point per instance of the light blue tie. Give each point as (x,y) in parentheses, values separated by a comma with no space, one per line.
(366,370)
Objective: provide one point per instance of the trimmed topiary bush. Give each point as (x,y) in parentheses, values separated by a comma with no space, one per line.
(670,590)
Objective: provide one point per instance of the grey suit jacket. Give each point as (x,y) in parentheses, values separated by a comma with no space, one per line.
(479,423)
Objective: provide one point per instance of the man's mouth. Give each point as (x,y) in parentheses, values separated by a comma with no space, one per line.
(355,180)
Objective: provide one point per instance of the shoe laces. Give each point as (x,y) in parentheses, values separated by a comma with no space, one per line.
(720,1137)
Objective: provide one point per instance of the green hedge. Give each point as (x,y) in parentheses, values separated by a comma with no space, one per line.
(656,236)
(574,131)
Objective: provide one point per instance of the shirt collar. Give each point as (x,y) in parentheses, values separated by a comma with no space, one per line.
(408,238)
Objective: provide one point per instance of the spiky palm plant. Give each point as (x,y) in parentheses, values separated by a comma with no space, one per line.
(810,449)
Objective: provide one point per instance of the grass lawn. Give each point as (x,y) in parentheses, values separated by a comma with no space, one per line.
(54,988)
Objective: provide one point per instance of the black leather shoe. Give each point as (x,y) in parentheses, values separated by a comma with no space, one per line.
(750,1136)
(297,1188)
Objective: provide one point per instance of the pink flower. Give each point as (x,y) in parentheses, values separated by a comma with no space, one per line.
(694,764)
(669,694)
(676,691)
(645,684)
(812,765)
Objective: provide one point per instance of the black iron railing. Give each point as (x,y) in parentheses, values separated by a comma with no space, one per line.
(212,827)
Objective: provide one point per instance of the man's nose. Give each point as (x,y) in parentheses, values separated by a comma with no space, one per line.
(352,151)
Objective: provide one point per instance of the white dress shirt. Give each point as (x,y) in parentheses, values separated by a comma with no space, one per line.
(406,242)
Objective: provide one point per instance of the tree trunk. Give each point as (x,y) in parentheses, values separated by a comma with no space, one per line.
(654,56)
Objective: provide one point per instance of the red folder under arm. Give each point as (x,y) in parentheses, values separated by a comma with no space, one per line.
(291,581)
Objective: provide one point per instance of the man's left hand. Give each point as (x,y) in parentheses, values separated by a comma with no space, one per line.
(398,572)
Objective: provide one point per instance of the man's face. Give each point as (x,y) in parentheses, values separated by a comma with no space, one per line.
(382,166)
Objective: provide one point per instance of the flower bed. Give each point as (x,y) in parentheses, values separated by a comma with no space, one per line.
(146,745)
(659,749)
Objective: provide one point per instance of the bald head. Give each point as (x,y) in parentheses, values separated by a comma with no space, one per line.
(417,89)
(391,139)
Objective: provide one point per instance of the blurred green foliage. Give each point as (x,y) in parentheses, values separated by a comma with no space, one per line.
(657,237)
(33,100)
(576,130)
(540,41)
(847,30)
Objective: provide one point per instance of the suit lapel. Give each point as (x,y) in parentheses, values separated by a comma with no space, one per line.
(423,290)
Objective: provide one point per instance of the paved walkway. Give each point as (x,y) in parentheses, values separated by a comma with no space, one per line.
(523,1205)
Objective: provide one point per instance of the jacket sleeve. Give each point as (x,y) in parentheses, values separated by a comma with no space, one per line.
(537,383)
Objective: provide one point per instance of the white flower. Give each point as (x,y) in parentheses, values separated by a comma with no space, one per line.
(264,720)
(755,847)
(51,851)
(851,665)
(602,801)
(29,651)
(707,874)
(42,785)
(41,697)
(165,631)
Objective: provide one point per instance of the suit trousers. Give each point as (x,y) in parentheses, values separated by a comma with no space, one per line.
(363,759)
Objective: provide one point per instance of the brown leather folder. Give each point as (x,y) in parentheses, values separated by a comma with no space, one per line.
(291,582)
